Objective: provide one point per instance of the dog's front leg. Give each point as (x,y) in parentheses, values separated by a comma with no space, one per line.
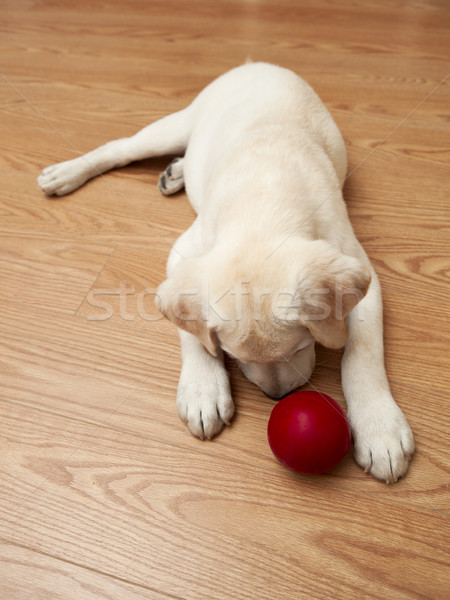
(382,437)
(204,397)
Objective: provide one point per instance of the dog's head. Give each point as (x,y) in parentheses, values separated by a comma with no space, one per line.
(267,313)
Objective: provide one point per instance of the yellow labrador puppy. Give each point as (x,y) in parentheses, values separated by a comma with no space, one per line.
(271,264)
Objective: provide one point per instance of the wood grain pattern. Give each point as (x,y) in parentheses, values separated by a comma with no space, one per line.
(104,494)
(28,573)
(38,270)
(147,493)
(409,259)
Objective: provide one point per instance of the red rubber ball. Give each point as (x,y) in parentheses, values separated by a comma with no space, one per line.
(308,432)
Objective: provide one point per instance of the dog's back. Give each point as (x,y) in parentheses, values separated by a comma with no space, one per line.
(239,104)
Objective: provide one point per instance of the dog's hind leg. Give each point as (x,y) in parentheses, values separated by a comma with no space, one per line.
(169,135)
(171,180)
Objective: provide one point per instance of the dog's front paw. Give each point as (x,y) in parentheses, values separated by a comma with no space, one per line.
(384,443)
(63,178)
(205,405)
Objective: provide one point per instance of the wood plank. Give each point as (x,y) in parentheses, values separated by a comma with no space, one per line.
(396,190)
(229,21)
(408,258)
(411,342)
(99,213)
(65,365)
(386,100)
(128,284)
(54,274)
(403,138)
(148,500)
(26,574)
(363,52)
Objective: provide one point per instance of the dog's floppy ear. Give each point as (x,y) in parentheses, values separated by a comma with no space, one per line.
(180,299)
(330,286)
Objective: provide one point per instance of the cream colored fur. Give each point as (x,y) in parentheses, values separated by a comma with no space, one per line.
(271,265)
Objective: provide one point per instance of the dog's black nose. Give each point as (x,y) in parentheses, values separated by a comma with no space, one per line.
(277,397)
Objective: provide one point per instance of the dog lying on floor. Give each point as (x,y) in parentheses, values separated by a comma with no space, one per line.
(271,264)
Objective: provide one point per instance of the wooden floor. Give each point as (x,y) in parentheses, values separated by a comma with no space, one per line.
(104,494)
